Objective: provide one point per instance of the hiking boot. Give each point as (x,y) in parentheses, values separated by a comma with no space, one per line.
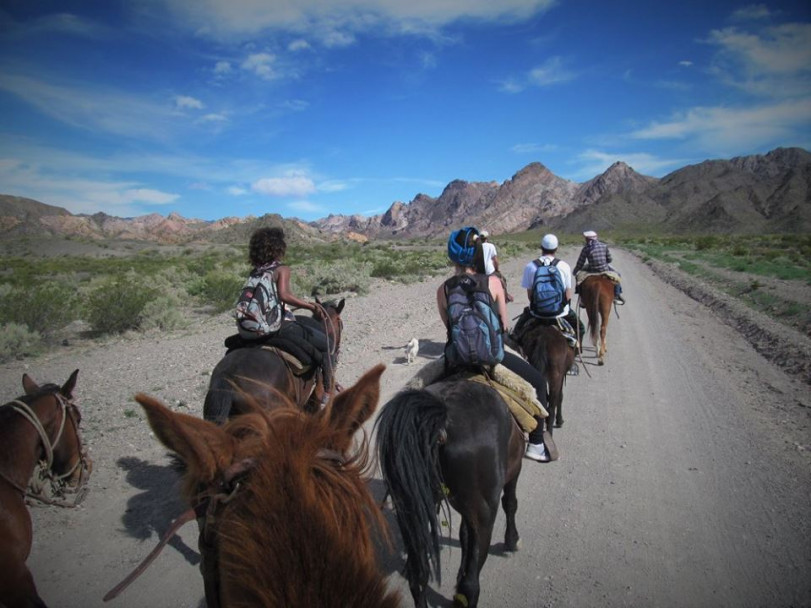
(537,452)
(574,370)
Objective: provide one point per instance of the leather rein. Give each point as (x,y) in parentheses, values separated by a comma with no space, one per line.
(36,489)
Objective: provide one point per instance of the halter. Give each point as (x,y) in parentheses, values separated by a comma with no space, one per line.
(36,489)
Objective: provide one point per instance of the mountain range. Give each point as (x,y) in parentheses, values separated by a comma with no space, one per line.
(768,193)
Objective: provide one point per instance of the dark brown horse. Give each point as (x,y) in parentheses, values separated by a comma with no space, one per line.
(257,373)
(546,348)
(42,425)
(286,506)
(454,441)
(597,296)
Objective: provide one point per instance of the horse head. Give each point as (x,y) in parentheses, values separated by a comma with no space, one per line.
(58,419)
(288,499)
(331,317)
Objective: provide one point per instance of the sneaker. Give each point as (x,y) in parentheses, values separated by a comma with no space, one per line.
(619,299)
(537,452)
(574,370)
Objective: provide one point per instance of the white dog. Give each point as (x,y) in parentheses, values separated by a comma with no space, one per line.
(411,350)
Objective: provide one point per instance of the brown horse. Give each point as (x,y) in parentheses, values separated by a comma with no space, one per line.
(546,348)
(597,296)
(255,373)
(286,510)
(42,425)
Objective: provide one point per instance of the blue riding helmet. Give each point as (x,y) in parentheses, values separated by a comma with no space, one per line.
(462,245)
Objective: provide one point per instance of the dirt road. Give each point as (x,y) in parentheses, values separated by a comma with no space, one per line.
(684,478)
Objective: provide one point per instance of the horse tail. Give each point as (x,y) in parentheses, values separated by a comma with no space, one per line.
(218,403)
(410,429)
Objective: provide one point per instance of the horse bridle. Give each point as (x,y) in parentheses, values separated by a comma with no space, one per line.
(36,489)
(207,510)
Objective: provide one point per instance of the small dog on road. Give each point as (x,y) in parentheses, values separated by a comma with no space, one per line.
(411,350)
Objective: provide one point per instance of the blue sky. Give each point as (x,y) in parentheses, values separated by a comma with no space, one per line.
(217,108)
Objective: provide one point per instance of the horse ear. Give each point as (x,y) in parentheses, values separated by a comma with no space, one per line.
(202,445)
(29,385)
(340,306)
(354,406)
(67,388)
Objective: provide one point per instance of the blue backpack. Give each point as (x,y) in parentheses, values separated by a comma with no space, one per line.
(548,291)
(474,329)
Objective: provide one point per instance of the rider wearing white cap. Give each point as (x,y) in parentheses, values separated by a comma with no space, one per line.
(595,257)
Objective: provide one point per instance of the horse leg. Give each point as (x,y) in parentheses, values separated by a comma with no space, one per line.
(17,587)
(417,588)
(556,398)
(509,502)
(479,523)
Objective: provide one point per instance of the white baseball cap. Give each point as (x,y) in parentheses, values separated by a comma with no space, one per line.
(484,234)
(549,242)
(590,234)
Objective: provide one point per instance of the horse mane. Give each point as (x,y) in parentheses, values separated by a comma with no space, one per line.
(299,513)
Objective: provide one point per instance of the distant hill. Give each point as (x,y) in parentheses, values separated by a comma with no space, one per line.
(759,193)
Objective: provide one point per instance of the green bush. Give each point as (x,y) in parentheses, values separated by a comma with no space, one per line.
(218,289)
(17,341)
(165,313)
(43,308)
(117,304)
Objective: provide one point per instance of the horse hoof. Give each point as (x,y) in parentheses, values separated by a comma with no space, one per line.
(558,424)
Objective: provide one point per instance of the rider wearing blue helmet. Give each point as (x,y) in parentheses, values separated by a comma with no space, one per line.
(465,251)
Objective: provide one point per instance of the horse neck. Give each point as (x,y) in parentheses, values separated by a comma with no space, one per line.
(22,445)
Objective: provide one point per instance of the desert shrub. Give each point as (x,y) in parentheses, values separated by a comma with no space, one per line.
(17,341)
(43,308)
(340,276)
(218,289)
(117,304)
(165,312)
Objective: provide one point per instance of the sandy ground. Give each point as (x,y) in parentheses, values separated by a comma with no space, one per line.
(684,478)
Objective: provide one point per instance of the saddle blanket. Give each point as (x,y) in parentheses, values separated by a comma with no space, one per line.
(609,274)
(518,394)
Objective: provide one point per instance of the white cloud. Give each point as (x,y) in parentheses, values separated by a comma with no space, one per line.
(237,191)
(685,63)
(550,72)
(186,102)
(261,64)
(781,49)
(94,108)
(722,129)
(337,21)
(298,45)
(222,67)
(291,185)
(214,118)
(753,12)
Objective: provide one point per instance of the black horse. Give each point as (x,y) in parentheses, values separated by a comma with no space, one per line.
(454,441)
(258,374)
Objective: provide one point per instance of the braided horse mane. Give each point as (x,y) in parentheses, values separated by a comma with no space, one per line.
(299,529)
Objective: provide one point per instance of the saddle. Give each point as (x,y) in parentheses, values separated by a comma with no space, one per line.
(302,357)
(518,394)
(527,321)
